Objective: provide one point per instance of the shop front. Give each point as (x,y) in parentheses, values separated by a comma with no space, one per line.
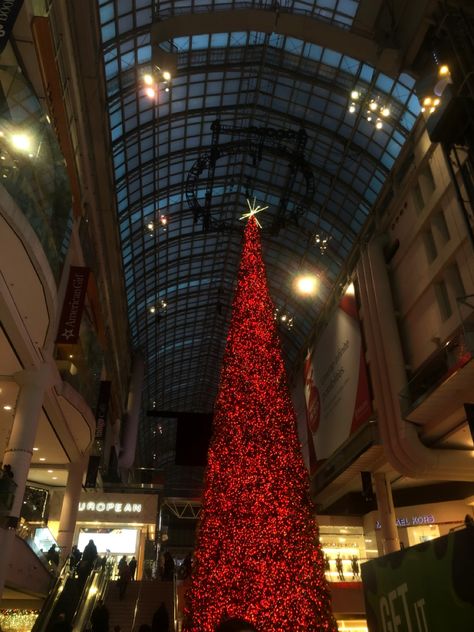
(119,524)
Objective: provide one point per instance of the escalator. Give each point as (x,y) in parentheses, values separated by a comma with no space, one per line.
(73,598)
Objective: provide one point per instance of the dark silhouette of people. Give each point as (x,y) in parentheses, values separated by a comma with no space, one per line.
(469,521)
(124,577)
(161,619)
(186,566)
(327,564)
(89,554)
(7,471)
(168,570)
(61,624)
(100,617)
(132,565)
(340,568)
(355,567)
(235,625)
(53,555)
(74,557)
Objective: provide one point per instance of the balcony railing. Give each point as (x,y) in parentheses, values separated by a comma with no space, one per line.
(455,353)
(32,168)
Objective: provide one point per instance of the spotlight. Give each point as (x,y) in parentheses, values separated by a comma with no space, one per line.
(426,101)
(22,142)
(148,79)
(352,108)
(355,94)
(373,105)
(306,284)
(443,70)
(166,75)
(385,111)
(150,92)
(379,124)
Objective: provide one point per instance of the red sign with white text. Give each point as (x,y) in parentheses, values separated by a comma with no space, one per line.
(70,321)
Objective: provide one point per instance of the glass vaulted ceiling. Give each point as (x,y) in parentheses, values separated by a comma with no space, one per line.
(242,78)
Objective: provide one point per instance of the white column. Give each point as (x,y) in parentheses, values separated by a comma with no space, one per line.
(70,506)
(33,383)
(388,521)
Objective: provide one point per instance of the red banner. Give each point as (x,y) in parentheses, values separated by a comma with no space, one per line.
(70,321)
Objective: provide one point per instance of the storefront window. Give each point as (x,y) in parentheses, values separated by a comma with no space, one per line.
(344,550)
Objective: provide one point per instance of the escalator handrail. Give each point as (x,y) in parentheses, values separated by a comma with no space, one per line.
(51,600)
(99,575)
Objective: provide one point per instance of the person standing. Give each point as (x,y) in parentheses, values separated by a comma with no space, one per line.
(100,617)
(355,567)
(340,568)
(124,577)
(132,565)
(161,619)
(89,554)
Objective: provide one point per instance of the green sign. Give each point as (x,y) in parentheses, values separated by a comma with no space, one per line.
(424,588)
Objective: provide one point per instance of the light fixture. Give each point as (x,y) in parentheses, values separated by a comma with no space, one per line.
(152,309)
(50,471)
(306,284)
(373,105)
(148,79)
(283,318)
(378,124)
(166,75)
(150,226)
(443,70)
(368,105)
(352,108)
(150,92)
(321,240)
(35,449)
(55,478)
(42,458)
(385,111)
(7,407)
(22,142)
(355,94)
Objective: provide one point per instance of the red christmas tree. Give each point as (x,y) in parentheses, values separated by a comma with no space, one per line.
(258,555)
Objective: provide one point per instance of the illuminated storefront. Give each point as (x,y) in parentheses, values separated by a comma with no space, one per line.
(119,524)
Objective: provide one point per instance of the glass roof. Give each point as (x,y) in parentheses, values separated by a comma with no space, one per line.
(262,89)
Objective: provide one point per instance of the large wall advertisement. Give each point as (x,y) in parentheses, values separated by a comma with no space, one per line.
(335,381)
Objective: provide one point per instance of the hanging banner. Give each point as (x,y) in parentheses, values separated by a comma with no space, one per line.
(70,321)
(92,471)
(336,387)
(9,10)
(101,410)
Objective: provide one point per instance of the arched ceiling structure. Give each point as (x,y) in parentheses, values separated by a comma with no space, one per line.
(258,105)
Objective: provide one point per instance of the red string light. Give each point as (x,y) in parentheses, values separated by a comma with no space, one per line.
(257,554)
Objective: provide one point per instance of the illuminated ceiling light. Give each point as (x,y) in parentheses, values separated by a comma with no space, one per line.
(166,75)
(379,124)
(350,290)
(352,108)
(21,142)
(50,471)
(35,449)
(55,478)
(436,102)
(427,101)
(372,105)
(150,226)
(150,92)
(385,111)
(306,284)
(148,79)
(443,70)
(42,458)
(432,109)
(167,89)
(152,310)
(7,407)
(355,94)
(369,118)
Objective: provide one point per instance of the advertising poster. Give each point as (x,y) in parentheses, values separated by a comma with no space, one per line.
(336,387)
(425,588)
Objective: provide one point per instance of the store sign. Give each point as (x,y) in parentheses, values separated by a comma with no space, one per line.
(116,508)
(414,521)
(423,588)
(71,315)
(9,10)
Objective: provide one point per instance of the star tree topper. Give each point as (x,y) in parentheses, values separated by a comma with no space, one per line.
(254,208)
